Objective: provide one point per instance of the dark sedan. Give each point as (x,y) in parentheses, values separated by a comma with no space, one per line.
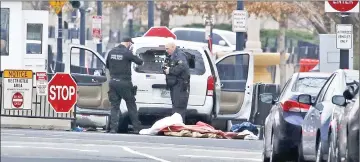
(283,124)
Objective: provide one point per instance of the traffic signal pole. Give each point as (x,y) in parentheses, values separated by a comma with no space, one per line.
(150,13)
(99,13)
(344,53)
(240,35)
(59,56)
(82,35)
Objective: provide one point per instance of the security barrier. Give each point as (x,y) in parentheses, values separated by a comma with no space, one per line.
(40,108)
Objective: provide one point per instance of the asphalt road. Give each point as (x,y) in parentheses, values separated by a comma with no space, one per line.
(19,145)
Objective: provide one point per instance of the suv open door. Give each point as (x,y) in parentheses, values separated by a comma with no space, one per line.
(87,67)
(236,72)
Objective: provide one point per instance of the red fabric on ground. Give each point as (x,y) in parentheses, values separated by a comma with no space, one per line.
(199,127)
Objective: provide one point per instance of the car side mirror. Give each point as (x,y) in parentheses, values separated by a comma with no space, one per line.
(222,43)
(338,100)
(266,98)
(305,99)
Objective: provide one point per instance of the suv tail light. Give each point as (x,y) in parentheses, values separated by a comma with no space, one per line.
(294,106)
(210,86)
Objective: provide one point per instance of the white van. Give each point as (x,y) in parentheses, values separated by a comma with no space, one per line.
(220,37)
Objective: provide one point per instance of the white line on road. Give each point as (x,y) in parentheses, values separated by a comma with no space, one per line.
(52,148)
(161,146)
(218,157)
(142,154)
(142,143)
(13,134)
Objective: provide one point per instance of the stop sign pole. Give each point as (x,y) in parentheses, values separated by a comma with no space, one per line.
(62,92)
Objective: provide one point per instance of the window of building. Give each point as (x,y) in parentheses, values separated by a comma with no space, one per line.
(34,38)
(4,31)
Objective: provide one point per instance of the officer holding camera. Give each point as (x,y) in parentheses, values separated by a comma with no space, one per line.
(177,78)
(120,86)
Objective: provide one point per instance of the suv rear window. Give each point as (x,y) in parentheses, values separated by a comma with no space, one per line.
(154,57)
(309,85)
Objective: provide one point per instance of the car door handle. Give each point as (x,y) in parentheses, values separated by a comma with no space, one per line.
(94,80)
(222,85)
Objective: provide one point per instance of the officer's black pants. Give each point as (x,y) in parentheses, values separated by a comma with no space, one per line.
(118,90)
(179,97)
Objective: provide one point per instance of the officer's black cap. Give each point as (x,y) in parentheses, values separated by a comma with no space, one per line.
(127,39)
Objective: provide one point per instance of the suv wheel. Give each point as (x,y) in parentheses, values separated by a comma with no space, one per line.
(275,152)
(123,127)
(300,152)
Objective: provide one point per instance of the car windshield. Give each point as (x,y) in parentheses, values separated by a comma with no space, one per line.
(154,57)
(309,85)
(230,36)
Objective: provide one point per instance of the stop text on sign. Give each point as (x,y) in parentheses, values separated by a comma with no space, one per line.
(62,92)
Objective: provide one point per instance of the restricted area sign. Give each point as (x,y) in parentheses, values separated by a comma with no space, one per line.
(62,92)
(160,31)
(342,6)
(57,5)
(344,36)
(239,21)
(96,28)
(17,89)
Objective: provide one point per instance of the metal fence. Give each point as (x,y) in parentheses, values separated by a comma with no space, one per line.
(40,108)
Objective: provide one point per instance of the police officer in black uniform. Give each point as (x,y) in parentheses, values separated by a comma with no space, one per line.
(120,87)
(178,79)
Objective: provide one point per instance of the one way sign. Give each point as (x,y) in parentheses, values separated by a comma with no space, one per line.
(344,36)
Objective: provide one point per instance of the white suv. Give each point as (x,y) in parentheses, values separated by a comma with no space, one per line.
(153,100)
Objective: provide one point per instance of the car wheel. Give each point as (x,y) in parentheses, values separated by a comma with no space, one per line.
(319,154)
(331,152)
(122,128)
(300,152)
(265,158)
(275,153)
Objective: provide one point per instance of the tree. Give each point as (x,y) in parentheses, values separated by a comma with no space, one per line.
(279,11)
(324,23)
(168,8)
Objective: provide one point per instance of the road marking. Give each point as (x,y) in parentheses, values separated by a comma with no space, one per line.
(142,154)
(13,134)
(122,142)
(218,157)
(53,148)
(161,146)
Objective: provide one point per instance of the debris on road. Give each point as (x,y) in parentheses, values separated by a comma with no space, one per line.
(174,126)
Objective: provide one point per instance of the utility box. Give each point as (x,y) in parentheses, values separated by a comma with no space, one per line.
(329,55)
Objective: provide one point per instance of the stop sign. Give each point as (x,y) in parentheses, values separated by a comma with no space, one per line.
(159,31)
(62,92)
(343,5)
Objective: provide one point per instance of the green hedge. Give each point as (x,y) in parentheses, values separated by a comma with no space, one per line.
(269,33)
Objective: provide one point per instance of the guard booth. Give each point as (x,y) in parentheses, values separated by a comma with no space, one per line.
(24,46)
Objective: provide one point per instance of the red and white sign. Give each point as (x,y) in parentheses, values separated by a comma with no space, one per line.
(160,31)
(62,94)
(17,100)
(17,89)
(96,28)
(342,6)
(41,83)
